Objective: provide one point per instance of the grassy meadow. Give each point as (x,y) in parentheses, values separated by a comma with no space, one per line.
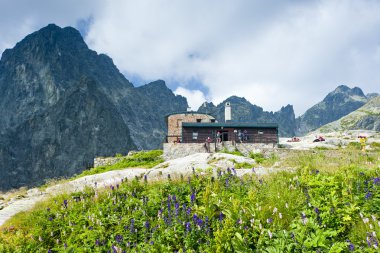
(329,202)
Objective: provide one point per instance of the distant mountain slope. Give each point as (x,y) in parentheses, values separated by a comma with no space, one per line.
(335,105)
(61,104)
(366,117)
(244,111)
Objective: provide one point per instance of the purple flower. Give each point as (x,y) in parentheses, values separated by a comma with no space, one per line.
(269,221)
(145,177)
(376,180)
(253,170)
(96,242)
(132,226)
(188,226)
(168,176)
(226,182)
(147,225)
(192,197)
(368,195)
(316,210)
(119,238)
(188,211)
(351,247)
(221,216)
(229,170)
(65,203)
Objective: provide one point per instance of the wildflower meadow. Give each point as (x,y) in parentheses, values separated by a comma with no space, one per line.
(305,210)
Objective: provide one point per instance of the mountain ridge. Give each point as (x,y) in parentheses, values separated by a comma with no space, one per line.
(63,104)
(338,103)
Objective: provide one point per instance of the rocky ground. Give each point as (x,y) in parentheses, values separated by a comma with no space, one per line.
(24,200)
(333,140)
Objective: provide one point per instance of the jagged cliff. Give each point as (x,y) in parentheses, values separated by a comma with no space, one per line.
(62,104)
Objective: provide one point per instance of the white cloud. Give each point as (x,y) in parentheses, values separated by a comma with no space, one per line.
(271,52)
(195,98)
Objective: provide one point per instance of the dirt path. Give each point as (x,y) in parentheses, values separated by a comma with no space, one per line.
(35,195)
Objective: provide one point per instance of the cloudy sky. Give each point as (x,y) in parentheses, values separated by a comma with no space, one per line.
(273,53)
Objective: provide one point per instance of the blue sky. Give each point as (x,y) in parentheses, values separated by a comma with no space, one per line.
(273,53)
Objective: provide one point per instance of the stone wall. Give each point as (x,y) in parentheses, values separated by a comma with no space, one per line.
(176,150)
(175,122)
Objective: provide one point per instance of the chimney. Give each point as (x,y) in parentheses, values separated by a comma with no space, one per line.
(227,112)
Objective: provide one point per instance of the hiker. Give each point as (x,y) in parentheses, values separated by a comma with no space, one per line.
(218,137)
(234,137)
(245,135)
(207,144)
(240,136)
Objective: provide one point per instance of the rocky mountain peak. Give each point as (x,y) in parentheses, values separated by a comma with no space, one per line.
(72,104)
(335,105)
(346,91)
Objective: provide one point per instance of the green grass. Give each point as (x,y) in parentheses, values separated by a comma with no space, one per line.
(375,145)
(143,159)
(234,152)
(331,200)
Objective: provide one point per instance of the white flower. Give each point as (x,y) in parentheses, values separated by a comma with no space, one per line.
(280,215)
(370,226)
(373,217)
(361,215)
(286,205)
(365,220)
(270,234)
(275,210)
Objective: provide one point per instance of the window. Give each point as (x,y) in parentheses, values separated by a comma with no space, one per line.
(199,120)
(261,132)
(195,135)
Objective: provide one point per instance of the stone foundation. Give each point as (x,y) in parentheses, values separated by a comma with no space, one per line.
(177,150)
